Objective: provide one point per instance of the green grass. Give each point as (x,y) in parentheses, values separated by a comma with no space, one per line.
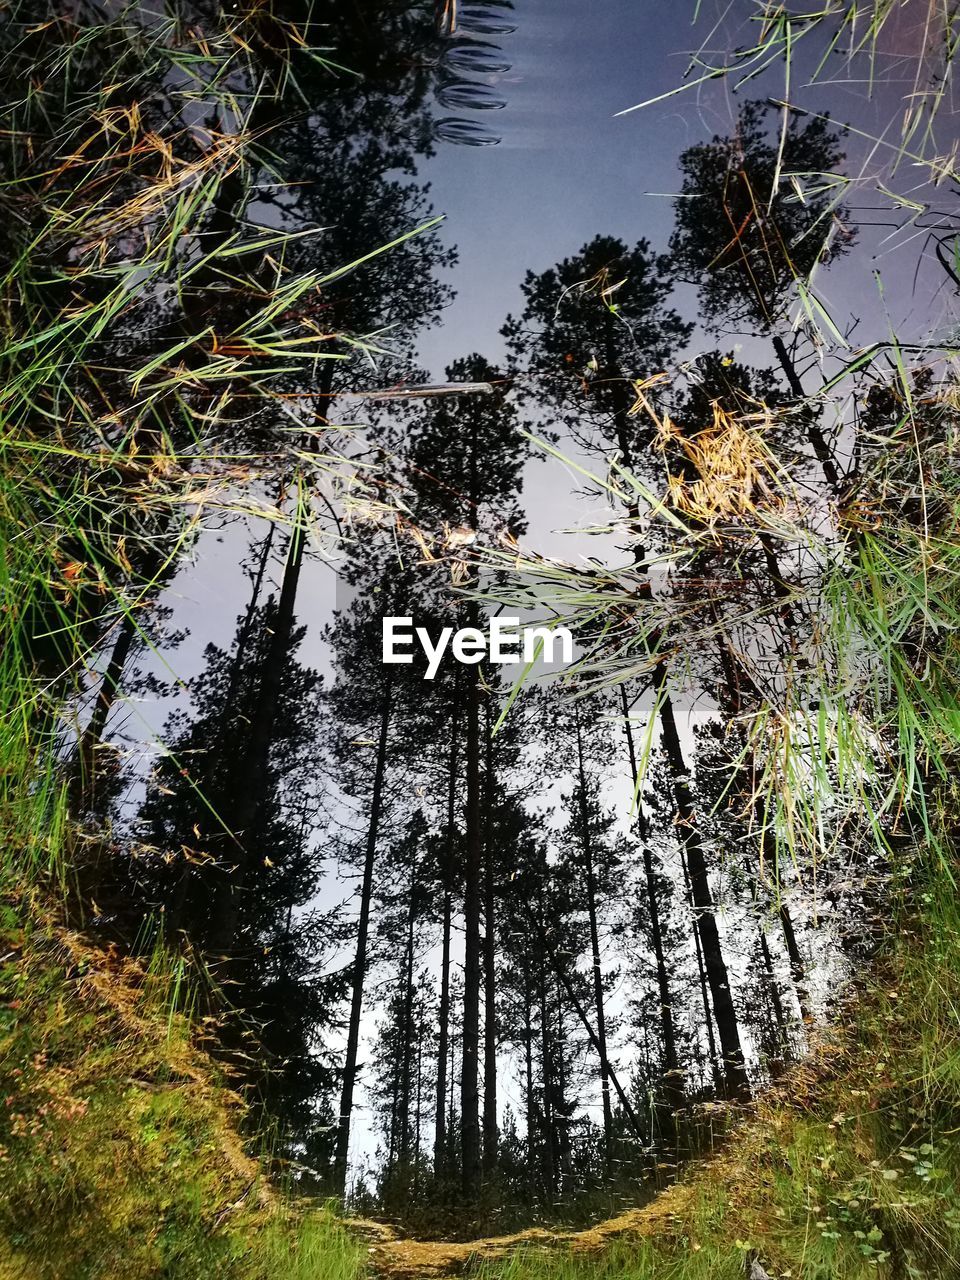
(120,1148)
(120,1153)
(121,1157)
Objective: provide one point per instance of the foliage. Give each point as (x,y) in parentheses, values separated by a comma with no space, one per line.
(149,324)
(159,329)
(119,1153)
(588,324)
(755,214)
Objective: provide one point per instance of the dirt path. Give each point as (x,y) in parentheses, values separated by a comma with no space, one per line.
(425,1259)
(665,1217)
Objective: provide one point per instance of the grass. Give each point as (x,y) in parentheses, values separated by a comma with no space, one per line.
(120,1153)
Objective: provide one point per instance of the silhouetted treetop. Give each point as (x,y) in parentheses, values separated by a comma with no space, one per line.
(590,325)
(757,211)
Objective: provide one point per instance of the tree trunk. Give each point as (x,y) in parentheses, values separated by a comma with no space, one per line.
(616,384)
(440,1120)
(85,765)
(797,970)
(591,889)
(549,1163)
(564,980)
(394,1112)
(528,1080)
(768,842)
(561,1108)
(715,1072)
(226,910)
(673,1087)
(451,1103)
(360,958)
(187,882)
(418,1104)
(243,640)
(709,934)
(491,1133)
(470,1031)
(821,449)
(717,977)
(773,991)
(406,1022)
(473,870)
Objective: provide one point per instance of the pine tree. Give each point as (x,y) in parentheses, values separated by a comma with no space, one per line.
(404,1042)
(744,237)
(186,849)
(590,326)
(377,709)
(591,859)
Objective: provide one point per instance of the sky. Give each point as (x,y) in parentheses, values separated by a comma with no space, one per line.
(565,168)
(568,167)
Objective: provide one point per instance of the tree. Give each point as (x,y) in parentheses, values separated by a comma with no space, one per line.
(376,709)
(590,326)
(464,459)
(539,952)
(742,233)
(591,856)
(350,159)
(391,290)
(405,1038)
(655,899)
(575,308)
(745,236)
(185,851)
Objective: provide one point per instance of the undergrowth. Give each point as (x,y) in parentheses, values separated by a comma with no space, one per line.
(120,1156)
